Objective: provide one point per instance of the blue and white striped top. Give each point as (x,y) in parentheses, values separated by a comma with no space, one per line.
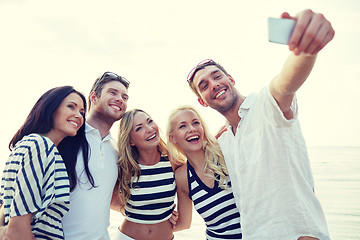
(35,182)
(152,197)
(216,206)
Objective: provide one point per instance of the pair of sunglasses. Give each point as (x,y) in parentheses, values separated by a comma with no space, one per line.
(114,76)
(200,64)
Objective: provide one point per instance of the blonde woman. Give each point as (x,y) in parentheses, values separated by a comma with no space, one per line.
(146,183)
(203,177)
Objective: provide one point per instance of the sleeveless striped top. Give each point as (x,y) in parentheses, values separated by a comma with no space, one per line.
(216,206)
(152,197)
(35,181)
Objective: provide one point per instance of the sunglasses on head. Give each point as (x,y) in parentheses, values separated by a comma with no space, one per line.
(114,76)
(200,64)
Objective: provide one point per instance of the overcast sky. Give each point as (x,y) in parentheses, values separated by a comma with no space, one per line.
(155,44)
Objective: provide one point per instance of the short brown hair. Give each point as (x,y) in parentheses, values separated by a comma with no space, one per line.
(99,83)
(200,66)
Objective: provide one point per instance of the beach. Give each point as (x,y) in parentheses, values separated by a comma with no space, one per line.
(337,184)
(336,173)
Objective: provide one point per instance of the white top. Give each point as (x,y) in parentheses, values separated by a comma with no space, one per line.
(35,182)
(89,213)
(271,175)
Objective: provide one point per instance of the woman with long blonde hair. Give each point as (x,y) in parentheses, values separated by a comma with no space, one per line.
(146,182)
(203,177)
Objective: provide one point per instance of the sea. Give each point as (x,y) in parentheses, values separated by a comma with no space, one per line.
(336,172)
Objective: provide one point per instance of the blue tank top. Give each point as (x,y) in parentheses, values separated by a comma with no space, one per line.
(152,197)
(216,206)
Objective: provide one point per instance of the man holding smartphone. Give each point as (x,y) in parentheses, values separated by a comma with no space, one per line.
(263,145)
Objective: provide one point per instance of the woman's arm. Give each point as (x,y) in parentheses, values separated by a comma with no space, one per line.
(3,228)
(19,227)
(116,203)
(184,203)
(2,216)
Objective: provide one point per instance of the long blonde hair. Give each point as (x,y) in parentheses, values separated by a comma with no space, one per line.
(214,159)
(128,167)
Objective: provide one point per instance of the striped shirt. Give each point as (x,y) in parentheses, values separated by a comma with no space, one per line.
(216,206)
(35,182)
(152,197)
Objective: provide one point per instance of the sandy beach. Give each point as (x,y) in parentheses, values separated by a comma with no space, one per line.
(336,173)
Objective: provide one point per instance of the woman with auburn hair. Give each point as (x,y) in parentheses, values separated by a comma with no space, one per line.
(35,186)
(146,182)
(203,178)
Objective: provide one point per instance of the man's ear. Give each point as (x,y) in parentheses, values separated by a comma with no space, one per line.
(202,102)
(231,79)
(93,98)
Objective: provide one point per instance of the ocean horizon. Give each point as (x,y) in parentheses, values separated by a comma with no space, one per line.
(336,172)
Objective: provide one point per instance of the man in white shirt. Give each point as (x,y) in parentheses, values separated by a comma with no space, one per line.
(90,200)
(263,146)
(89,213)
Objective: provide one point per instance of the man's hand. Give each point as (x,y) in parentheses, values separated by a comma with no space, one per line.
(312,32)
(174,217)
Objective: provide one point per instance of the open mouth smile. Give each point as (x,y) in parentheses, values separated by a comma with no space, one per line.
(151,137)
(74,123)
(220,93)
(115,107)
(193,139)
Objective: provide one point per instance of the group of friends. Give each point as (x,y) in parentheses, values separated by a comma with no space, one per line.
(254,181)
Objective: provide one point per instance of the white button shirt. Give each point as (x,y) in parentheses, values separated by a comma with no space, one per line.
(271,175)
(89,213)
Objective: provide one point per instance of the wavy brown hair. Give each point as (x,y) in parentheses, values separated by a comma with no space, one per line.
(128,167)
(40,120)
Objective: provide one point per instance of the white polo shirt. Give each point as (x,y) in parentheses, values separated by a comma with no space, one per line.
(89,213)
(271,175)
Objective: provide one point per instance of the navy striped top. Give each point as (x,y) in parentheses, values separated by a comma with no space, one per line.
(35,181)
(216,206)
(152,197)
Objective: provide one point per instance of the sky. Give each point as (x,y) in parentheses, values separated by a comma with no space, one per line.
(154,44)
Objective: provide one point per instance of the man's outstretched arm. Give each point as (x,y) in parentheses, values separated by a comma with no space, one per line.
(312,33)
